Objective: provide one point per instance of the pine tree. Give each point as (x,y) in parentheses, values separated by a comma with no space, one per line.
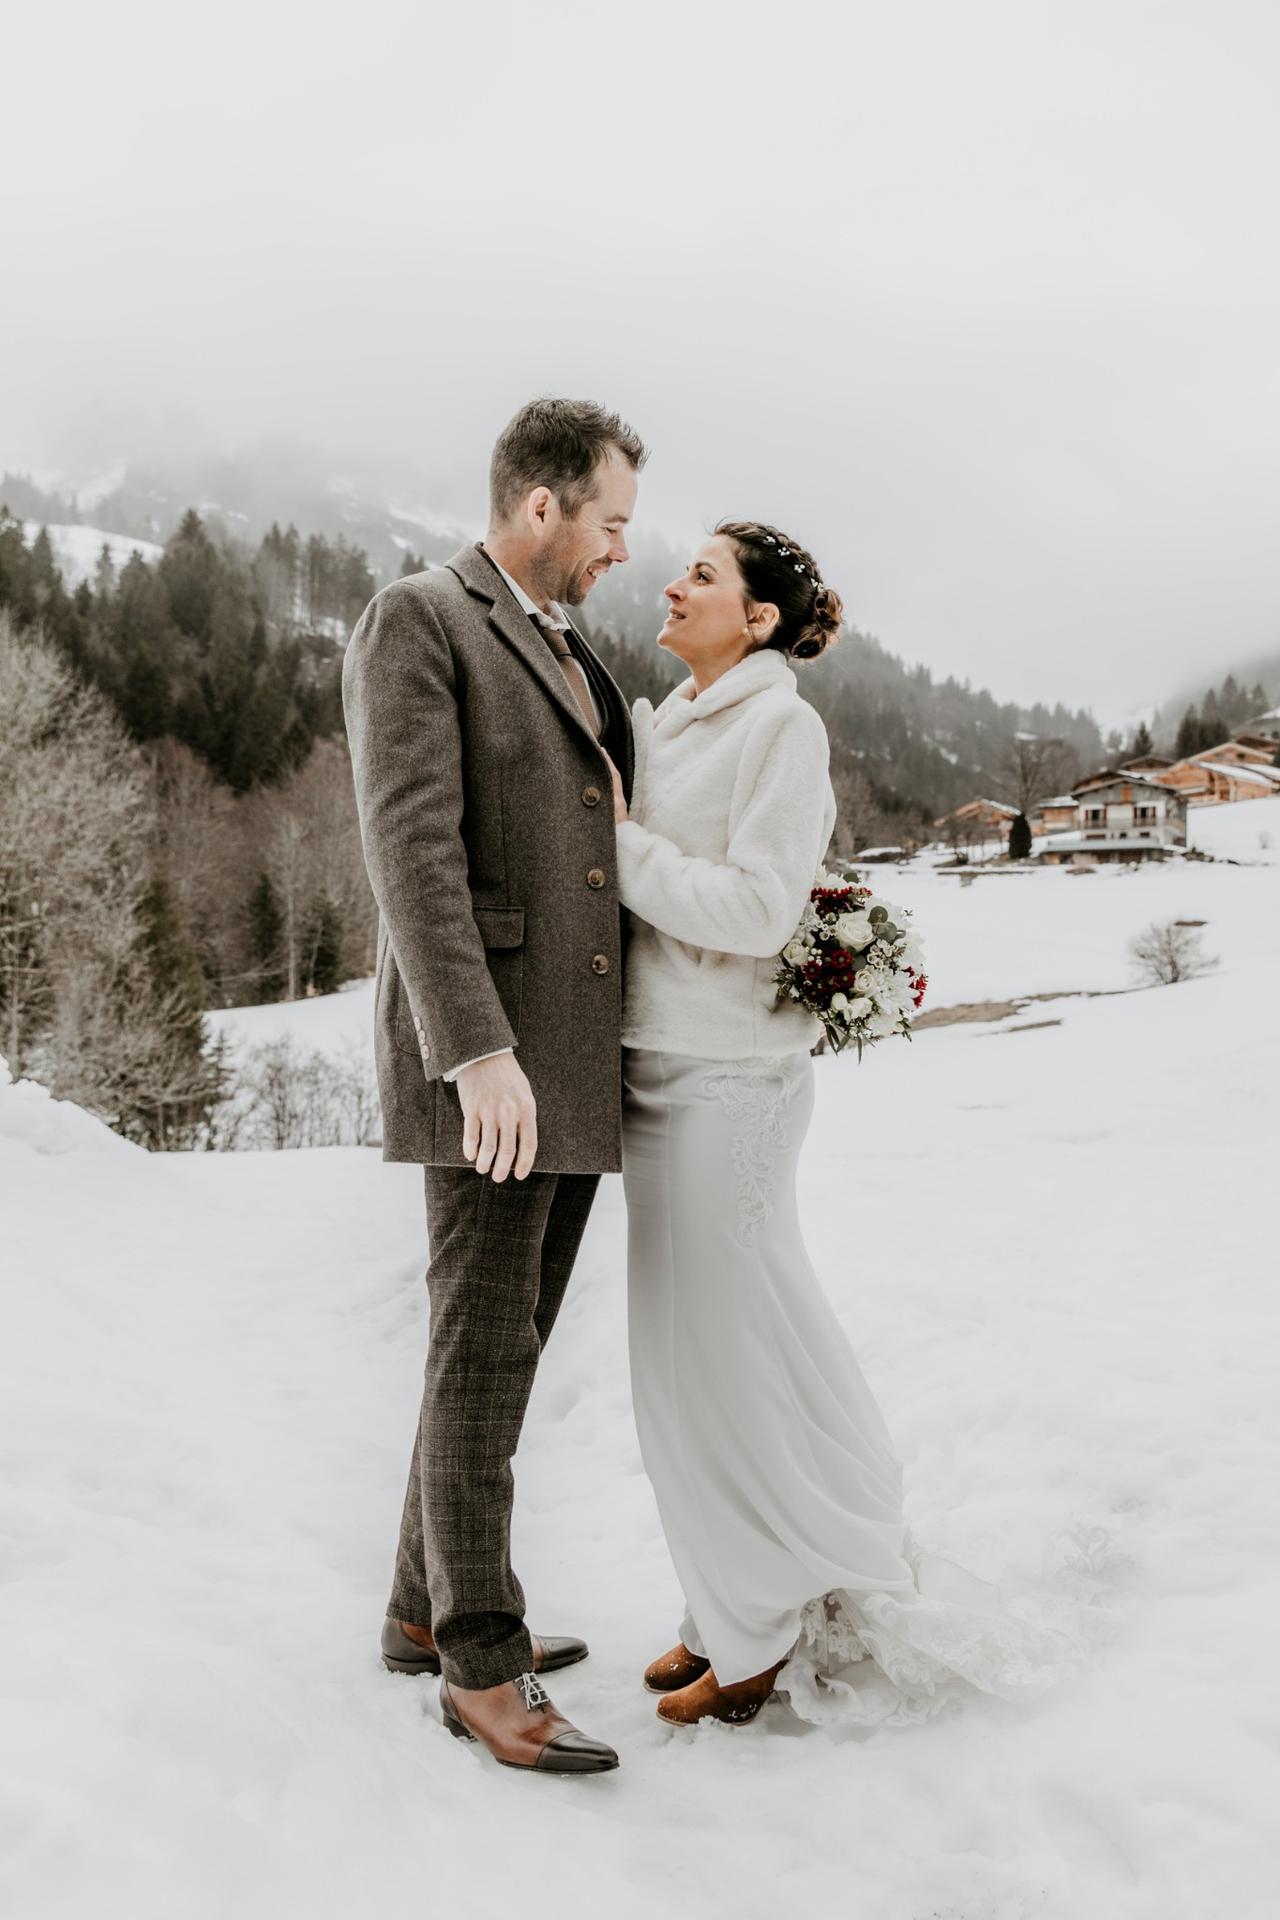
(44,567)
(104,576)
(266,930)
(1141,742)
(327,972)
(1213,727)
(1020,838)
(1187,742)
(193,1080)
(189,570)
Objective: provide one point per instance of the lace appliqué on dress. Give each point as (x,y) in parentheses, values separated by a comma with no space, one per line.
(756,1099)
(893,1659)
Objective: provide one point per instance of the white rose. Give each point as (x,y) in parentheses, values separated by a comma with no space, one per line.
(795,953)
(859,1007)
(863,981)
(854,930)
(839,1001)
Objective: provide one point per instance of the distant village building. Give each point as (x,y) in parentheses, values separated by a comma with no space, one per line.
(1116,816)
(1147,763)
(1134,811)
(976,823)
(1238,769)
(1053,816)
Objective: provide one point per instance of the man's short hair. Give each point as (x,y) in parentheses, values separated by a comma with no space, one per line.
(557,444)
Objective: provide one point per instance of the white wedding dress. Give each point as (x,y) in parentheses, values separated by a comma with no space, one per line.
(776,1480)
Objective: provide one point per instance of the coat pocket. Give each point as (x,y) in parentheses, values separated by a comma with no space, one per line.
(500,926)
(502,930)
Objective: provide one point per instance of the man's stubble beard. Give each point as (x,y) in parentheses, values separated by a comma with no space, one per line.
(553,583)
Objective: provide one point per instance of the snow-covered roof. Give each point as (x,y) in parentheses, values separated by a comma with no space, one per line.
(1096,782)
(1260,776)
(1058,800)
(1069,842)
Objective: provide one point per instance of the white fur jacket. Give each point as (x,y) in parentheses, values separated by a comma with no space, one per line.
(731,813)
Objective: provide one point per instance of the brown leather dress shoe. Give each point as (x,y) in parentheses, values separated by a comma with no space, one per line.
(410,1649)
(679,1668)
(706,1699)
(518,1724)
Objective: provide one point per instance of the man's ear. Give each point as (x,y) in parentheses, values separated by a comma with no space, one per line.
(537,506)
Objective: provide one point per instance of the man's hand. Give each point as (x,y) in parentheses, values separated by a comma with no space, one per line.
(619,797)
(501,1117)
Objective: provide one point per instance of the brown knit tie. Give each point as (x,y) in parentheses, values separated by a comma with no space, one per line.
(572,672)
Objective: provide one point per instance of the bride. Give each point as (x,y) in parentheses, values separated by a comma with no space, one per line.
(777,1483)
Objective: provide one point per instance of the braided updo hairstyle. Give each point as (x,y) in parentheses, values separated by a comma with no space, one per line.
(777,571)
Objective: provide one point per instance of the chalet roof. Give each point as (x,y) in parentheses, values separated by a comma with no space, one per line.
(1252,742)
(1058,800)
(1117,777)
(967,806)
(1258,776)
(1141,760)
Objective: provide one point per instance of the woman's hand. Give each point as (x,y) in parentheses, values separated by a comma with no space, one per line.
(619,797)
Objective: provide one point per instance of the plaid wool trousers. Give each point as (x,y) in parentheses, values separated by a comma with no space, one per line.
(500,1260)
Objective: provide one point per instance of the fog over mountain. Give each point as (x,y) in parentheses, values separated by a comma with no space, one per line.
(979,302)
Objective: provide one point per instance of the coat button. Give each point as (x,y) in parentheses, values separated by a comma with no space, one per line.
(417,1023)
(600,963)
(596,877)
(591,796)
(426,1051)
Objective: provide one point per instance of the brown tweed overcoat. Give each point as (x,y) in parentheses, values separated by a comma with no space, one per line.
(486,816)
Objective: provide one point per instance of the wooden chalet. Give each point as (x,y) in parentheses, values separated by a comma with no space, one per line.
(977,823)
(1236,769)
(1118,816)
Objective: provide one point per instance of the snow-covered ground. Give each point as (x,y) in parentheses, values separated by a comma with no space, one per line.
(1061,1292)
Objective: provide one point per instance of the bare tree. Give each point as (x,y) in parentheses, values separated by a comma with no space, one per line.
(860,819)
(1168,951)
(305,835)
(82,1011)
(74,838)
(1032,768)
(286,1096)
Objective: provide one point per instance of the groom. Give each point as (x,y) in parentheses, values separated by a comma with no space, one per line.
(479,723)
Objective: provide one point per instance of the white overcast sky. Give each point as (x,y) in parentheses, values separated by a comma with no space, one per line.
(980,300)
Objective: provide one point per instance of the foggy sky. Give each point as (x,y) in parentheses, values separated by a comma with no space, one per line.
(979,301)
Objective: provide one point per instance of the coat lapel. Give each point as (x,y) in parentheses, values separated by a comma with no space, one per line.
(514,626)
(508,619)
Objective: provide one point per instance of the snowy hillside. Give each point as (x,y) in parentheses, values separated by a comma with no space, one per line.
(1248,831)
(77,548)
(1061,1296)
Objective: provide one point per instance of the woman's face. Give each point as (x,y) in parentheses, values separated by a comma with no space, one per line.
(710,624)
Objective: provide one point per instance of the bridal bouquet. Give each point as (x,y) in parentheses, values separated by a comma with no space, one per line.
(854,961)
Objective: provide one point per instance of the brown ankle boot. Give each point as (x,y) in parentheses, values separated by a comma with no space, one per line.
(679,1668)
(706,1699)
